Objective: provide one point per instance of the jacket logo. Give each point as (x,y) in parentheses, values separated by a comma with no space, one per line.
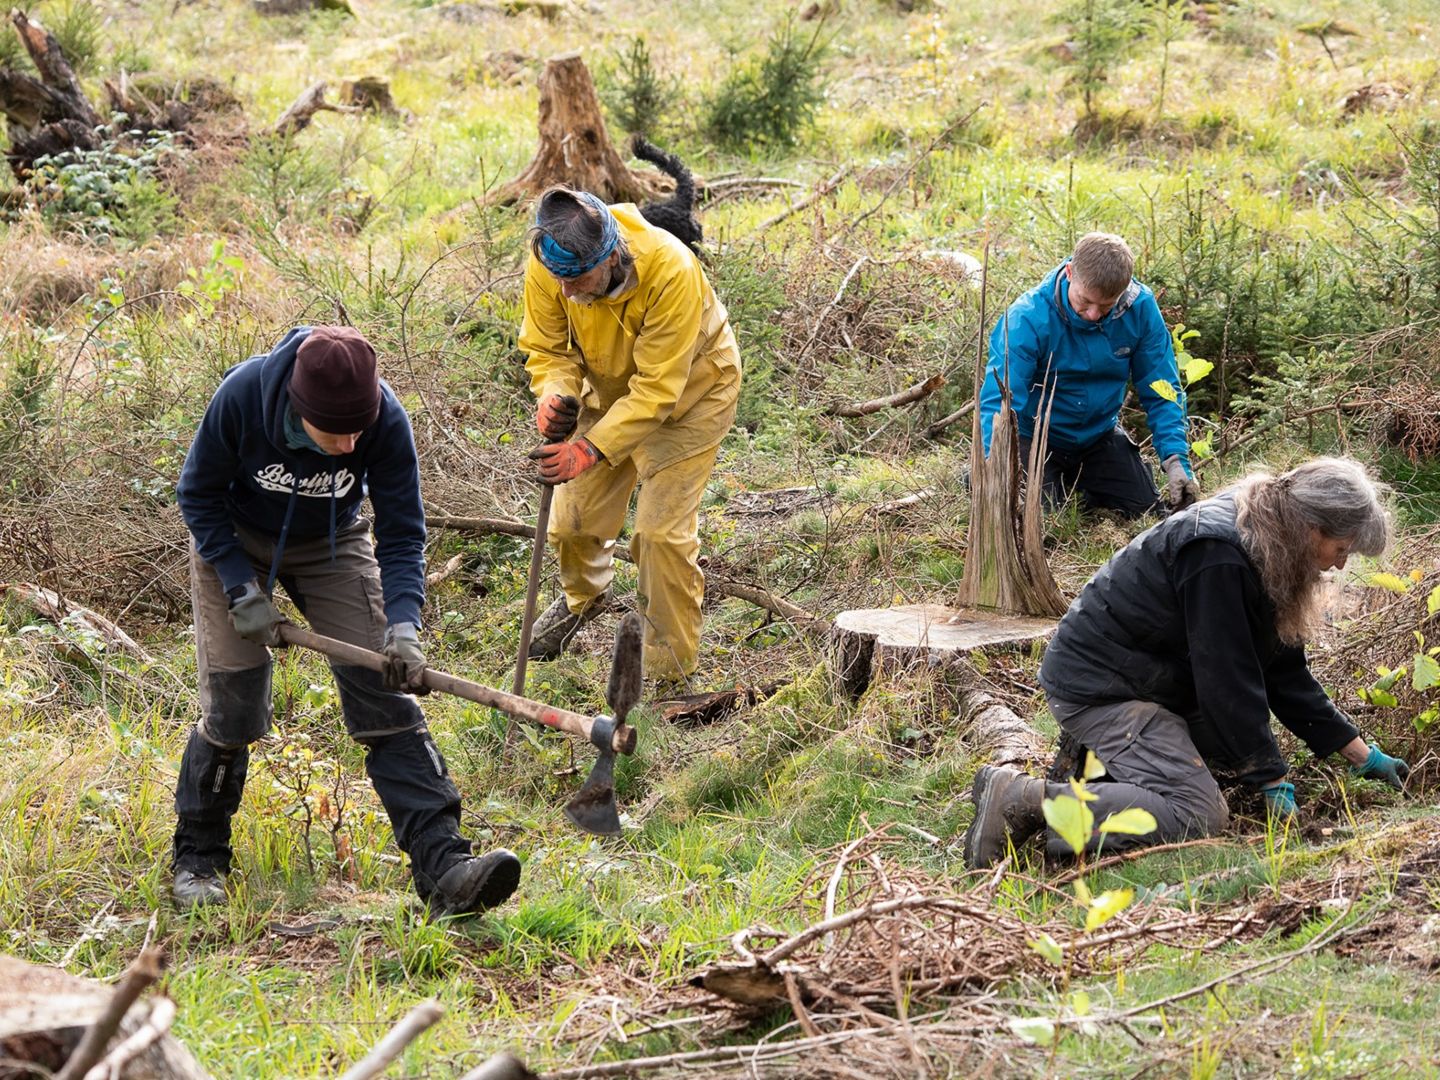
(276,477)
(1126,351)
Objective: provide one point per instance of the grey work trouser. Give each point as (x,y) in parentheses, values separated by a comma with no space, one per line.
(1151,763)
(341,597)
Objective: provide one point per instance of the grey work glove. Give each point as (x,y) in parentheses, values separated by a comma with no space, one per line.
(404,659)
(254,615)
(1180,487)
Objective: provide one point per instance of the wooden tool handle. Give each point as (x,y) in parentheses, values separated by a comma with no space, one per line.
(575,723)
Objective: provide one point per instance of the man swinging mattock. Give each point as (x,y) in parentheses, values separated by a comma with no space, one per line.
(289,447)
(626,344)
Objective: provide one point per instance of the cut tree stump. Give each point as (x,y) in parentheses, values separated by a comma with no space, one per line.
(370,93)
(575,148)
(877,643)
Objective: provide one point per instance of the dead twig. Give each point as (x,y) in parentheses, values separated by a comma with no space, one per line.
(795,207)
(904,397)
(945,421)
(415,1022)
(143,971)
(155,1028)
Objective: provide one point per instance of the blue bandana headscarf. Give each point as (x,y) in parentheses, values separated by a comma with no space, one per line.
(567,264)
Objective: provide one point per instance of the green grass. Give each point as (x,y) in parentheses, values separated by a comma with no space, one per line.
(728,826)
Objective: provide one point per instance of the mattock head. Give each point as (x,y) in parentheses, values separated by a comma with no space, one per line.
(593,807)
(627,668)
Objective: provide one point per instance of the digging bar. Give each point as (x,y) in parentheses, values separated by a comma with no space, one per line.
(610,735)
(532,583)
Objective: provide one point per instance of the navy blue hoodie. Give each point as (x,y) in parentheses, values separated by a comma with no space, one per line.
(240,471)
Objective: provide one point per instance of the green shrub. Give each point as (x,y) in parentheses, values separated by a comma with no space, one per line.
(1101,34)
(109,191)
(78,26)
(770,100)
(634,91)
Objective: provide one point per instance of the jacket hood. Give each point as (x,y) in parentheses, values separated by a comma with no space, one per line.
(275,371)
(1056,291)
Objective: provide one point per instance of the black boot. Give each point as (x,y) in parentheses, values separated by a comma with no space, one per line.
(476,883)
(212,779)
(1007,811)
(410,777)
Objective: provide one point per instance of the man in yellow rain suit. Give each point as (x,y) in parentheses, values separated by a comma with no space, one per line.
(628,347)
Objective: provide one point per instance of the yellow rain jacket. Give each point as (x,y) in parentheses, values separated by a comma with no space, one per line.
(644,358)
(658,372)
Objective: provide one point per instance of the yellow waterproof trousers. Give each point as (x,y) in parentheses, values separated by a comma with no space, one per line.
(671,467)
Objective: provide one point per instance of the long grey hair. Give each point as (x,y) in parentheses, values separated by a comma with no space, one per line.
(1275,515)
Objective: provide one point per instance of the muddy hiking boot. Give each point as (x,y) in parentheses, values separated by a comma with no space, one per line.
(475,883)
(557,624)
(1007,811)
(197,888)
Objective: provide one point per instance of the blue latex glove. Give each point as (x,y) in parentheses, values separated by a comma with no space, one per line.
(1381,766)
(1280,799)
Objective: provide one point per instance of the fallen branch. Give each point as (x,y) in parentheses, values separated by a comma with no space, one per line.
(481,526)
(57,609)
(795,207)
(298,116)
(501,1066)
(945,421)
(900,505)
(435,577)
(716,586)
(415,1022)
(155,1028)
(891,401)
(711,708)
(143,971)
(753,594)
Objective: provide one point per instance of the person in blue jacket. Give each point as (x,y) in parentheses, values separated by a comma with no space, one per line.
(271,490)
(1083,335)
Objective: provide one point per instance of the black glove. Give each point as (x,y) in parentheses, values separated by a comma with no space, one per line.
(557,415)
(404,659)
(253,615)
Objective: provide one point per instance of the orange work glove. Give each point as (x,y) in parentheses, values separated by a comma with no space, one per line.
(562,462)
(557,415)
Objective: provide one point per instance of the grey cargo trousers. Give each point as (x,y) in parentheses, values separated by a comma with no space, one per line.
(340,598)
(1151,762)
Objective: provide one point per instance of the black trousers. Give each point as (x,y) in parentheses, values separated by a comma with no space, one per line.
(342,599)
(1109,474)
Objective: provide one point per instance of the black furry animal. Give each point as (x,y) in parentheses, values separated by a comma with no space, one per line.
(677,213)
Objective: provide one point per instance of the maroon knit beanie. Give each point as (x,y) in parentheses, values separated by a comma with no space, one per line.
(335,384)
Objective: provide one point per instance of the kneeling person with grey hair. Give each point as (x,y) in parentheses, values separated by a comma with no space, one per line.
(1176,653)
(290,446)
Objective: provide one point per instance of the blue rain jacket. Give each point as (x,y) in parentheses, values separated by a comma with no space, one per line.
(1089,365)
